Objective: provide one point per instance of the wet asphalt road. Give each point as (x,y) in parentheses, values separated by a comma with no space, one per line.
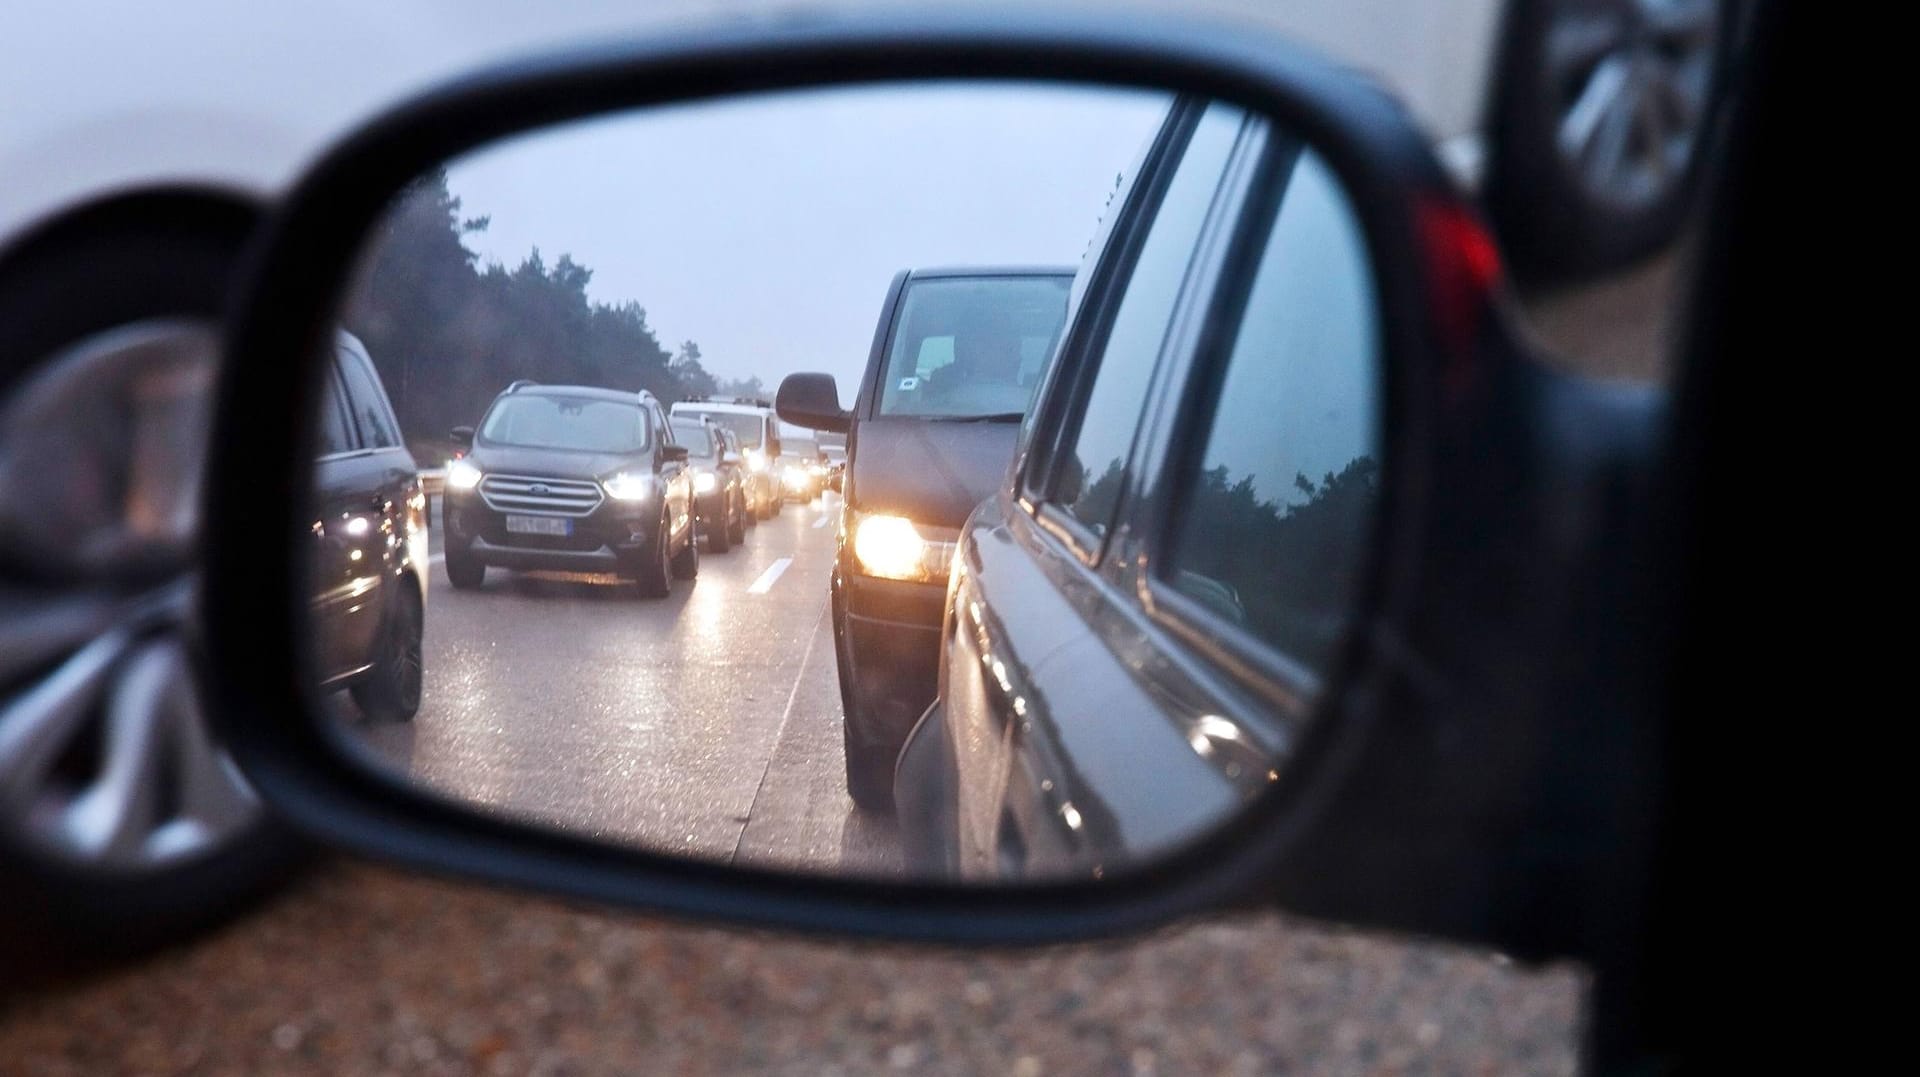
(706,724)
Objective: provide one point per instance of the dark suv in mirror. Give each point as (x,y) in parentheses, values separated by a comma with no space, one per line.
(571,478)
(955,360)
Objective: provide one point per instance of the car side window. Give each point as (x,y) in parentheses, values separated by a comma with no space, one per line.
(369,406)
(1088,477)
(335,438)
(1271,533)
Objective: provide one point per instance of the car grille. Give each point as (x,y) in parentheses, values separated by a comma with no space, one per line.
(547,497)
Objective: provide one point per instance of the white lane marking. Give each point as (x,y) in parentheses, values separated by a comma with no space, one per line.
(786,715)
(822,521)
(765,583)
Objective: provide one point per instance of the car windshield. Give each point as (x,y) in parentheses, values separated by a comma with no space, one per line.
(972,347)
(693,434)
(744,424)
(573,423)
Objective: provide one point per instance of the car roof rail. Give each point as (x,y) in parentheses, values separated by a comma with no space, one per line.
(521,383)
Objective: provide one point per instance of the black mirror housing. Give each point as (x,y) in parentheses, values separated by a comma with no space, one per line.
(674,454)
(1321,845)
(812,400)
(461,435)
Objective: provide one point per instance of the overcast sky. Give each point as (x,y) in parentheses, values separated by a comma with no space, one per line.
(767,228)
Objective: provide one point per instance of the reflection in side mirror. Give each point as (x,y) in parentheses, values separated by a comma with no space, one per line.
(509,648)
(812,400)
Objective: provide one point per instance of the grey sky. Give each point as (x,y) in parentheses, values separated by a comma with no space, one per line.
(767,228)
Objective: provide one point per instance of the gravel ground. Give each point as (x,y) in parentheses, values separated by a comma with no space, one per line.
(360,970)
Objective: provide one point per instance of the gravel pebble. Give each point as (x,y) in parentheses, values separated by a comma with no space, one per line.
(360,970)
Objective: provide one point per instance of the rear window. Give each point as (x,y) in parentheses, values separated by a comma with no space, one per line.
(803,448)
(579,424)
(694,435)
(745,425)
(971,347)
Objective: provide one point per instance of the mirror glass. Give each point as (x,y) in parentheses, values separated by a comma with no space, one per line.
(571,565)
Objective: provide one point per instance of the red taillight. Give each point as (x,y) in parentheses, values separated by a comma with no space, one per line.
(1463,270)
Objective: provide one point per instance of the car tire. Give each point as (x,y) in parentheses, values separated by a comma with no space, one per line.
(390,691)
(465,571)
(737,520)
(1565,214)
(655,574)
(869,770)
(718,539)
(686,563)
(108,266)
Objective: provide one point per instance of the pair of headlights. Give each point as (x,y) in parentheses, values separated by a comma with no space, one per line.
(624,486)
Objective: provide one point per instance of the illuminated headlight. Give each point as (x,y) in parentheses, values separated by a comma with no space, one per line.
(795,477)
(704,482)
(894,548)
(462,475)
(756,460)
(628,487)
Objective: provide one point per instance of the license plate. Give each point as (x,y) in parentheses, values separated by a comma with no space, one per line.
(539,525)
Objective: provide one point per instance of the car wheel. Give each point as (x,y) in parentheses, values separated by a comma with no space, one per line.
(1598,129)
(656,565)
(718,539)
(869,770)
(686,563)
(391,690)
(737,520)
(465,571)
(124,825)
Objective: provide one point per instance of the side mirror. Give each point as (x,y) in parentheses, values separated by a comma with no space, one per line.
(730,458)
(1240,776)
(812,400)
(461,434)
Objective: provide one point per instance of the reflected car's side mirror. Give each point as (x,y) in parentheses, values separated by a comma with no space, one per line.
(673,454)
(461,435)
(812,400)
(732,458)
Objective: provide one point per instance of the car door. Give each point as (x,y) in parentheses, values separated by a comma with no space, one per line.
(1051,706)
(367,500)
(675,478)
(342,616)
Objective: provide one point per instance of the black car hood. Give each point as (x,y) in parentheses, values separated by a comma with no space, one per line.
(930,472)
(554,463)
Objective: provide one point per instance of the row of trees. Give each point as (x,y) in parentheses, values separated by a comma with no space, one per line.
(447,333)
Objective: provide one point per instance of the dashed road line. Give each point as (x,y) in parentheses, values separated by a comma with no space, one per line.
(765,583)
